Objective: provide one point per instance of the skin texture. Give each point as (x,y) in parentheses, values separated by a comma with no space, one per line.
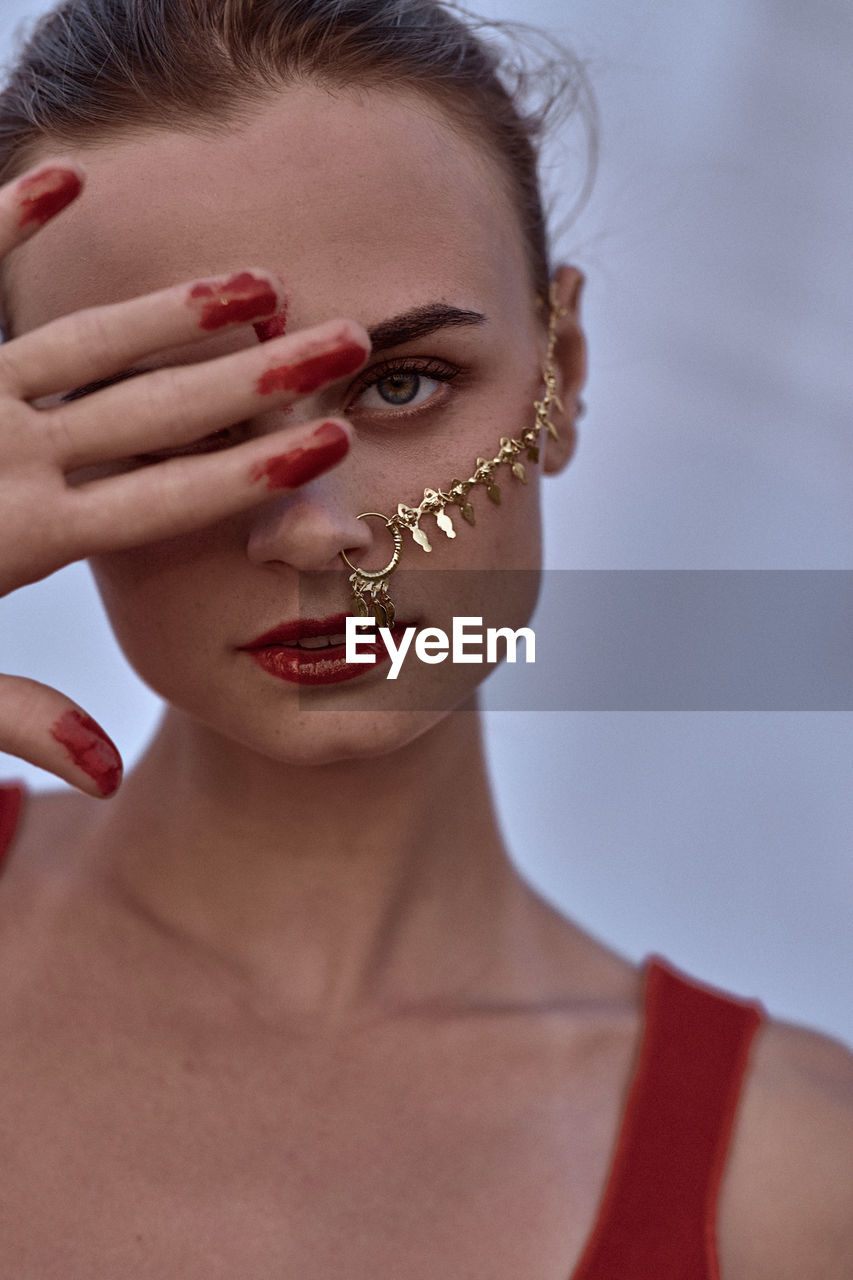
(323,927)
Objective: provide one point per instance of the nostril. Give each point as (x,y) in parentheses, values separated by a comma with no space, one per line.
(305,530)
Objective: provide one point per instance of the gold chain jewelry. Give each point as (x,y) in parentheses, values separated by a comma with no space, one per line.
(374,583)
(370,588)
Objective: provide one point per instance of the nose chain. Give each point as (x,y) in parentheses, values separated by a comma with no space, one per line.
(370,593)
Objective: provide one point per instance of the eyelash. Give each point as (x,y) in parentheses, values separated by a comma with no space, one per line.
(437,370)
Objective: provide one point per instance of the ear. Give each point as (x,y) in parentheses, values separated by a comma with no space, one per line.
(569,367)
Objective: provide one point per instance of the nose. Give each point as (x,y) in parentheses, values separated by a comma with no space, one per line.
(306,530)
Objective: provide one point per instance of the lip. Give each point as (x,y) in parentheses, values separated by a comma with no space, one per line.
(314,666)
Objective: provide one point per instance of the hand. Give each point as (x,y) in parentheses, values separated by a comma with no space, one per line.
(121,443)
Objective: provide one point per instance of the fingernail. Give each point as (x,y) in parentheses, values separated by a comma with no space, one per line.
(314,372)
(45,194)
(326,446)
(238,299)
(276,326)
(90,749)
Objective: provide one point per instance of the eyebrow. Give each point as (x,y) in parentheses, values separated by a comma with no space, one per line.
(400,329)
(419,322)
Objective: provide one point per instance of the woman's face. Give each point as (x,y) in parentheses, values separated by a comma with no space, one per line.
(367,205)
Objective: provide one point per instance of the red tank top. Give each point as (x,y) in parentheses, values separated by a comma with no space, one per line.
(657,1218)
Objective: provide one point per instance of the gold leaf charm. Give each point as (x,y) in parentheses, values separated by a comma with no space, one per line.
(420,538)
(519,472)
(552,430)
(494,493)
(468,512)
(444,523)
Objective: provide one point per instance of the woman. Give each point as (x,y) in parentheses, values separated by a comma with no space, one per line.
(284,1006)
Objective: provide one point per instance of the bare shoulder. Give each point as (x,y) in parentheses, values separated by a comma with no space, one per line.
(786,1208)
(49,825)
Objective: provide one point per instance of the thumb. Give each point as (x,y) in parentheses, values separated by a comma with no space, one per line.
(42,726)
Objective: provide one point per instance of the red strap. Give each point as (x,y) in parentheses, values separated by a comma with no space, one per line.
(658,1216)
(11,797)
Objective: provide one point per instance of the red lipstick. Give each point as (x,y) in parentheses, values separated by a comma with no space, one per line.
(279,653)
(275,327)
(236,301)
(326,446)
(46,193)
(312,373)
(90,749)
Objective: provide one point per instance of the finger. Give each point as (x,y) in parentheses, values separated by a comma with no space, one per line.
(170,407)
(188,493)
(101,342)
(30,201)
(41,725)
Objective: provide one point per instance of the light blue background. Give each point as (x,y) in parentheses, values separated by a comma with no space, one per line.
(720,276)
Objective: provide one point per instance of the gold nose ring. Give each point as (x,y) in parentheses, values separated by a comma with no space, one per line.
(370,586)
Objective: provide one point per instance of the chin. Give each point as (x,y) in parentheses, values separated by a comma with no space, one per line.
(309,739)
(330,737)
(310,727)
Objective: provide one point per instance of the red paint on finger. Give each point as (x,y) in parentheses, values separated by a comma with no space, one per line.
(275,327)
(314,372)
(90,749)
(236,301)
(46,193)
(289,470)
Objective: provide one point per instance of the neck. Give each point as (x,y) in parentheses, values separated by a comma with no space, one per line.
(333,889)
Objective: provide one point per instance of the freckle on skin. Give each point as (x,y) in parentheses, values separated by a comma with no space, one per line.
(289,470)
(90,749)
(44,195)
(312,373)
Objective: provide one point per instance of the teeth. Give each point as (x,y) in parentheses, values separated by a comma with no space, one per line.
(318,642)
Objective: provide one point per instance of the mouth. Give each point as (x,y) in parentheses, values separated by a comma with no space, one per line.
(312,651)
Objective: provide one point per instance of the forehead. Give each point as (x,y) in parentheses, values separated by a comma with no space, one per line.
(362,201)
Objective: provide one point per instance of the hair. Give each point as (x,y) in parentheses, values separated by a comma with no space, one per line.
(98,68)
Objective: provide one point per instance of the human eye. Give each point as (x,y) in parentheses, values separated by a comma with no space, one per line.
(402,386)
(90,388)
(217,440)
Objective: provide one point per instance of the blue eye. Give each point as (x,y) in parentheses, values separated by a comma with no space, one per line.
(398,390)
(402,385)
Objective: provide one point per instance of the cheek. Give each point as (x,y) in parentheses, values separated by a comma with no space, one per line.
(156,607)
(506,532)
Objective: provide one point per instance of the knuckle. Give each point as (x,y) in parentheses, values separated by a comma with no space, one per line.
(56,430)
(91,331)
(168,508)
(165,398)
(12,372)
